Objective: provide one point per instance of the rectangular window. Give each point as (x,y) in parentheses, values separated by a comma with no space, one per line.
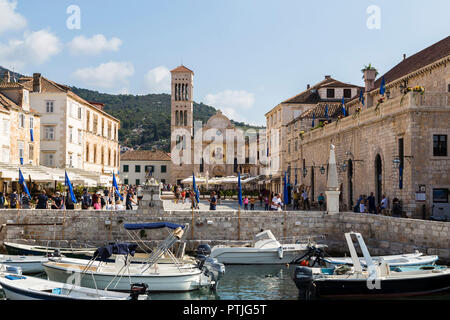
(50,106)
(95,129)
(330,93)
(50,159)
(137,168)
(31,123)
(21,120)
(95,153)
(163,169)
(440,145)
(347,93)
(79,112)
(50,133)
(401,152)
(125,168)
(80,136)
(138,182)
(21,150)
(31,152)
(125,181)
(70,160)
(150,168)
(440,195)
(87,152)
(70,134)
(88,119)
(103,127)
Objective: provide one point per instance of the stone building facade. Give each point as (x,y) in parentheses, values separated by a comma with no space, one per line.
(210,149)
(282,122)
(396,145)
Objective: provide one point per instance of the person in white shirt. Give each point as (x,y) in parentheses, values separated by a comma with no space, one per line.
(119,206)
(276,203)
(383,205)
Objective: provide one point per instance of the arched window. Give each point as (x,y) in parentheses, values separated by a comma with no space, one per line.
(177,120)
(181,118)
(185,118)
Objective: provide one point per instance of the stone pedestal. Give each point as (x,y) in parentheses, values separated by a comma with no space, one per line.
(332,201)
(151,196)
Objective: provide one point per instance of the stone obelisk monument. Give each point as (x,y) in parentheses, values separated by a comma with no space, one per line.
(332,191)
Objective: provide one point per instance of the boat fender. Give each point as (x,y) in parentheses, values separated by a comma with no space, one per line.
(280,252)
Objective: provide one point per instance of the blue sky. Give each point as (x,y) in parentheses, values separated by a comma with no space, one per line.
(247,55)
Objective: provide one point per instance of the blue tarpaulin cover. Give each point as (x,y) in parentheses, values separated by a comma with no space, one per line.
(151,225)
(105,252)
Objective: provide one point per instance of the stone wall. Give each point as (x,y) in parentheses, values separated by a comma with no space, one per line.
(383,235)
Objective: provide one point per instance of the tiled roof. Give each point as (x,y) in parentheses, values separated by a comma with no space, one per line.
(145,155)
(334,110)
(8,103)
(7,85)
(311,95)
(419,60)
(182,69)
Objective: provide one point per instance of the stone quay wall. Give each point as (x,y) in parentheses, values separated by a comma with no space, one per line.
(383,234)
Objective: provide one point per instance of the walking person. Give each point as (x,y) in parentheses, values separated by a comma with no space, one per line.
(129,200)
(86,200)
(57,201)
(245,203)
(362,206)
(266,203)
(383,205)
(252,203)
(212,201)
(68,201)
(2,201)
(321,201)
(276,203)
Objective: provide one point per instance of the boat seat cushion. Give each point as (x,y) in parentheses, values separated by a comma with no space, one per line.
(11,277)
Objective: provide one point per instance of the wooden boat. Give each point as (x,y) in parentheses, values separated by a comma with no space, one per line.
(19,287)
(375,281)
(176,276)
(28,264)
(36,250)
(266,250)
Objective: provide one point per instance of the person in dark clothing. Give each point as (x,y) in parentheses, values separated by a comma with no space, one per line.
(57,201)
(13,198)
(372,206)
(25,201)
(42,201)
(86,200)
(129,200)
(2,200)
(213,201)
(68,201)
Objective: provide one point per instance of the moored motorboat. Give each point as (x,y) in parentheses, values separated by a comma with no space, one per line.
(378,280)
(19,287)
(265,250)
(36,250)
(28,264)
(176,276)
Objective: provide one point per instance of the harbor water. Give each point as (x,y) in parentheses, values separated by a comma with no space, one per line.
(252,282)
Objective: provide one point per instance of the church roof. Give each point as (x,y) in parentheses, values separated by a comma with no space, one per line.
(182,69)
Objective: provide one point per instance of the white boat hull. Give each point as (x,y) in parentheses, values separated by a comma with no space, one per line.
(157,282)
(28,264)
(253,256)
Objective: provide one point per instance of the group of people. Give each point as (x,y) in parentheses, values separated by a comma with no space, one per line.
(106,200)
(300,199)
(368,205)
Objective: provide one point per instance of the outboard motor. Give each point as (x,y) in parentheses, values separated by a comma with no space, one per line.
(203,251)
(304,281)
(138,289)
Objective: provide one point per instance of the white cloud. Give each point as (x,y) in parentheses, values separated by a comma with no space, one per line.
(35,48)
(158,80)
(230,99)
(9,19)
(94,45)
(106,75)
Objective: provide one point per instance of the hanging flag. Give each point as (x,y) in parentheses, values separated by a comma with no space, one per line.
(314,117)
(197,196)
(68,184)
(382,87)
(22,182)
(400,177)
(361,96)
(285,190)
(326,111)
(116,187)
(343,107)
(240,189)
(21,161)
(31,135)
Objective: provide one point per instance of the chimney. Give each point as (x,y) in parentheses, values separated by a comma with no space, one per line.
(327,77)
(6,77)
(404,56)
(308,86)
(36,82)
(369,80)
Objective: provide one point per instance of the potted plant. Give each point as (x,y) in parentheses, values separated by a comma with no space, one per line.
(369,72)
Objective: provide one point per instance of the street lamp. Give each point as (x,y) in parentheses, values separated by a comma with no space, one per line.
(322,170)
(396,162)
